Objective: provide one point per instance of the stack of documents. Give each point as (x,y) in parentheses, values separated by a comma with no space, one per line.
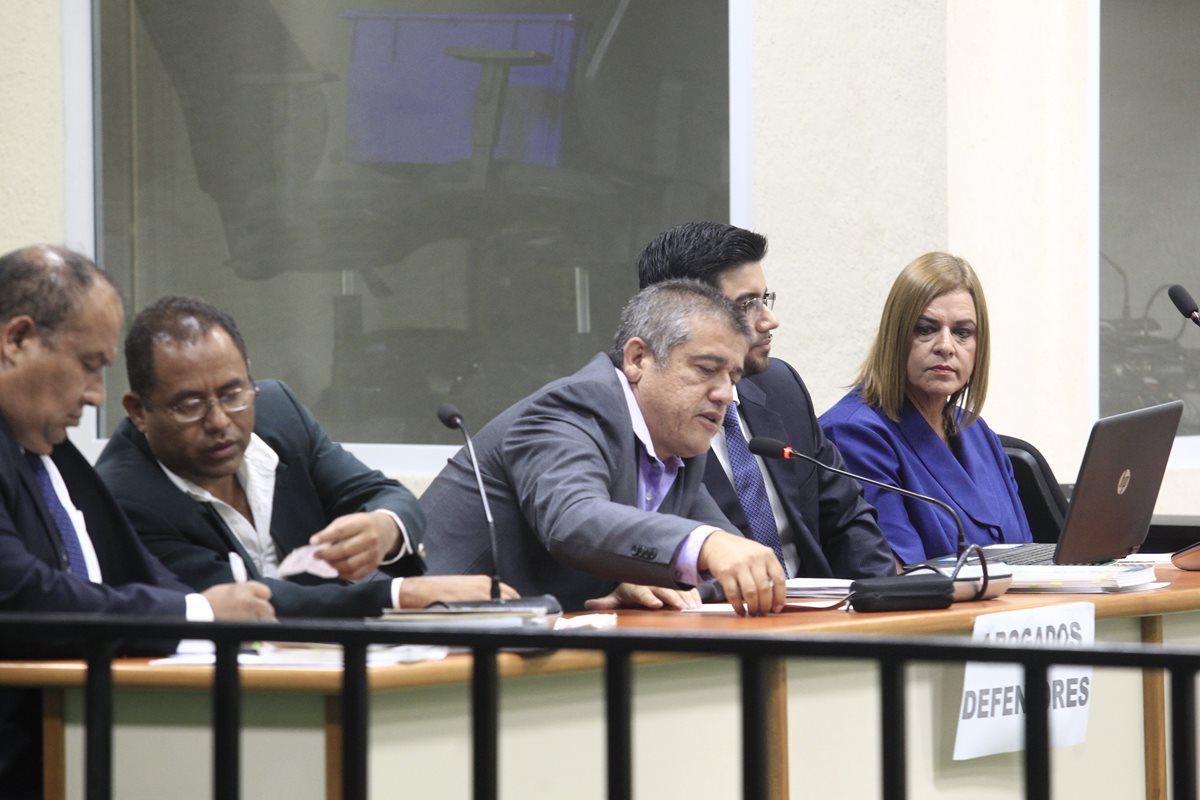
(297,654)
(493,617)
(1086,579)
(818,587)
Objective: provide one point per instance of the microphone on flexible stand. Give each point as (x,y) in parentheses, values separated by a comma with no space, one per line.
(773,448)
(1184,302)
(452,418)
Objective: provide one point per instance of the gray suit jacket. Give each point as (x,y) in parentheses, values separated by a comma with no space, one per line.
(560,468)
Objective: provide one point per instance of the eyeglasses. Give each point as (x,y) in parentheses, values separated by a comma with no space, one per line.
(194,409)
(755,305)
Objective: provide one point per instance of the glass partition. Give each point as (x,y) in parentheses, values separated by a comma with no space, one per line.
(1149,200)
(405,203)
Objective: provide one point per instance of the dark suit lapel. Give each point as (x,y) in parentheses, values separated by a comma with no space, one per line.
(787,476)
(230,540)
(29,484)
(945,467)
(281,516)
(721,489)
(762,421)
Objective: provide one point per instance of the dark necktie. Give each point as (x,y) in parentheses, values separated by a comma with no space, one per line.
(751,489)
(66,529)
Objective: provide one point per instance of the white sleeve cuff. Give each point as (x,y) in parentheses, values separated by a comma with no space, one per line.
(405,548)
(396,591)
(199,609)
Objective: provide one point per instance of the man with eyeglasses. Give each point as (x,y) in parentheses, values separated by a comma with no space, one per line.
(218,473)
(816,521)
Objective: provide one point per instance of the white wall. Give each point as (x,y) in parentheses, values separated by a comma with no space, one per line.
(880,130)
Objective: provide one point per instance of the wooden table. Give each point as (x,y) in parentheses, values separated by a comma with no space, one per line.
(686,715)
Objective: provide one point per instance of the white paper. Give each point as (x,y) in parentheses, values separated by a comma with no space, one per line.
(991,715)
(586,621)
(316,656)
(726,608)
(1144,558)
(304,559)
(818,587)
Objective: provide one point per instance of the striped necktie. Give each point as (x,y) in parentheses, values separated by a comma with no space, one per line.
(751,489)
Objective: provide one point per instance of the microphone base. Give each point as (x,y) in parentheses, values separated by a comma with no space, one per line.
(537,612)
(542,604)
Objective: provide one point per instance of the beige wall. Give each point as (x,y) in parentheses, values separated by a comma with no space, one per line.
(850,168)
(31,124)
(883,133)
(880,130)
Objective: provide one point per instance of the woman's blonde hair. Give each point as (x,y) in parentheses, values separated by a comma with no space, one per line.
(884,374)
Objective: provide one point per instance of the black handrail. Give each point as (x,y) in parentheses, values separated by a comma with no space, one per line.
(618,692)
(95,635)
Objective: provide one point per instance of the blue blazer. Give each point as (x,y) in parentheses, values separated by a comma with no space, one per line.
(975,479)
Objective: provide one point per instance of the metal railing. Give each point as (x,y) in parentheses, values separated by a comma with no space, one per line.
(893,654)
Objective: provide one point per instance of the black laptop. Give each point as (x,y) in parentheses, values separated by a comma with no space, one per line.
(1115,493)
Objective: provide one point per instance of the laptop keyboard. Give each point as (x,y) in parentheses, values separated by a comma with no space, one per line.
(1042,553)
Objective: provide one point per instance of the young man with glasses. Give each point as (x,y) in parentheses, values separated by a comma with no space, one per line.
(816,521)
(217,472)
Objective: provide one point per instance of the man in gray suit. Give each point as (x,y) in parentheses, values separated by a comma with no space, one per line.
(595,480)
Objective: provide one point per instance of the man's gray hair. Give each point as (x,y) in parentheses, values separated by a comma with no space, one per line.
(664,315)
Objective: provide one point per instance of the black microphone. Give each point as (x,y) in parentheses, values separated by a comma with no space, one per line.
(451,418)
(546,603)
(773,448)
(1184,302)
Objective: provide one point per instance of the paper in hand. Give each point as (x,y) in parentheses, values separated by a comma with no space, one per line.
(304,559)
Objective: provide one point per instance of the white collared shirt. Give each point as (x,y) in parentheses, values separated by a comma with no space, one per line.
(256,474)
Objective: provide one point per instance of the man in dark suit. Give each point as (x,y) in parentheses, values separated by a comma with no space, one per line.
(817,521)
(64,544)
(595,479)
(215,471)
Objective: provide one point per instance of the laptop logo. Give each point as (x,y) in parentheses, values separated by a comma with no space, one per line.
(1123,482)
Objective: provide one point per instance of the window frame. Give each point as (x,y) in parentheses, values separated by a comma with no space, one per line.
(81,179)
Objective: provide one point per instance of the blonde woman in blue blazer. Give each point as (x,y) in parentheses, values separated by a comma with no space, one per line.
(913,420)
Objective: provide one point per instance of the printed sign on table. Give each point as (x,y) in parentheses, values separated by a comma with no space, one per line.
(991,717)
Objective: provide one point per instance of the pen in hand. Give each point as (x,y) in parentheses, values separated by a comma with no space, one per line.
(238,568)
